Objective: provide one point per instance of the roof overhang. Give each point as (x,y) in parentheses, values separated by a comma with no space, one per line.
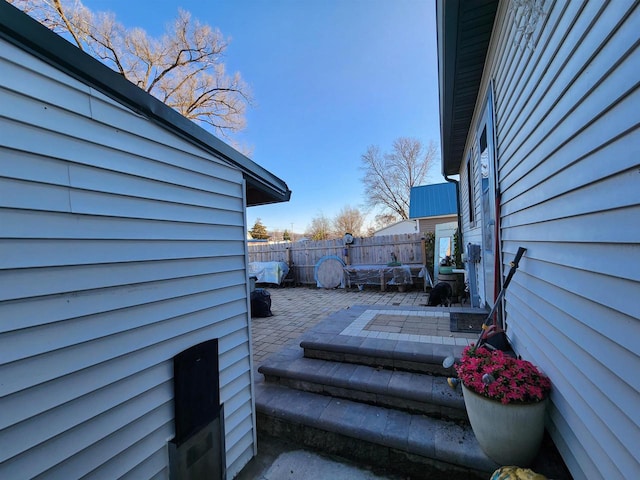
(464,30)
(18,28)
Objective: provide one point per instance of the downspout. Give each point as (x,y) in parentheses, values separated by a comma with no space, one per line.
(460,243)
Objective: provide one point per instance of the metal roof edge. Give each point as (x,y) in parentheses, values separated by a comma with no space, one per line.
(446,40)
(25,32)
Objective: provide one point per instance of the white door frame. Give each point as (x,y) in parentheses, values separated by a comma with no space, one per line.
(486,160)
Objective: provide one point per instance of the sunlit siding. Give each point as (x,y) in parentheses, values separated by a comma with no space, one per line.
(121,245)
(568,145)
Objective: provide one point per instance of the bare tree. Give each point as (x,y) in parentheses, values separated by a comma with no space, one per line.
(276,235)
(320,228)
(380,221)
(183,68)
(388,177)
(384,220)
(348,220)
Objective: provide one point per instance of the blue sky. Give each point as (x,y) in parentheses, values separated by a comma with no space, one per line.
(329,78)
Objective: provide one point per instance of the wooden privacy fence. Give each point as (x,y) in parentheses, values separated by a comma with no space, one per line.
(302,257)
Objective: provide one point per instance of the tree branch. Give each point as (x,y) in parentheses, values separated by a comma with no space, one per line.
(58,6)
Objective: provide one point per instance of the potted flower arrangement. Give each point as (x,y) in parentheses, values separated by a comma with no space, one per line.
(505,399)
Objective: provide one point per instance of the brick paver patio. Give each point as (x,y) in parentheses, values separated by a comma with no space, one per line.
(295,310)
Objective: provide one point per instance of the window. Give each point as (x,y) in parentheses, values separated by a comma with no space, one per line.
(487,195)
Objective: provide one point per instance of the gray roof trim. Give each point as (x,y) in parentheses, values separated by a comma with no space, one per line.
(464,30)
(21,30)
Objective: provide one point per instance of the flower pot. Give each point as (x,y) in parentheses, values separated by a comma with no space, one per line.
(509,434)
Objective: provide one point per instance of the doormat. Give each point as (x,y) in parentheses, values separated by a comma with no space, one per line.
(466,322)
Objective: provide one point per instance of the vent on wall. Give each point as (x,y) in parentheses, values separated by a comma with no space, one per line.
(197,450)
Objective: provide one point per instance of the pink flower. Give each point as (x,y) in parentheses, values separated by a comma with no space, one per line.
(516,381)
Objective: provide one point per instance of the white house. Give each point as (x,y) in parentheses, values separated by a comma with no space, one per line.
(122,245)
(540,125)
(398,228)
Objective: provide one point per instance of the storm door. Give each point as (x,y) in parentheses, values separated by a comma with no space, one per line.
(488,196)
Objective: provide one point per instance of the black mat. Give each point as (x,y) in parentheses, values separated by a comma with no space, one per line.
(466,322)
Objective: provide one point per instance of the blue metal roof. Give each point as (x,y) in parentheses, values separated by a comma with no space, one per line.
(433,200)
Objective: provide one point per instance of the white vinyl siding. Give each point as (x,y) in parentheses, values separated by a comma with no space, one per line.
(472,231)
(121,245)
(568,137)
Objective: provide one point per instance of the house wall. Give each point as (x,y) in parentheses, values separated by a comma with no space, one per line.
(121,246)
(428,224)
(471,226)
(402,227)
(568,146)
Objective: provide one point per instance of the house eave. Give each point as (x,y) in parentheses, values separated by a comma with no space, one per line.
(21,30)
(463,34)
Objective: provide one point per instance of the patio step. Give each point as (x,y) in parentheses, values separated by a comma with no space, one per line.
(412,444)
(376,397)
(412,392)
(410,356)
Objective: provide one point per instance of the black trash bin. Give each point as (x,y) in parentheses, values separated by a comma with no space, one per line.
(261,303)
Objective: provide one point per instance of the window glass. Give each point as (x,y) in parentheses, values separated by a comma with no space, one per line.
(486,195)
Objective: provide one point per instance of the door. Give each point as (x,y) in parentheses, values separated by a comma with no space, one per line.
(488,196)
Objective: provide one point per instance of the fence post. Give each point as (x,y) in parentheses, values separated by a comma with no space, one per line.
(347,254)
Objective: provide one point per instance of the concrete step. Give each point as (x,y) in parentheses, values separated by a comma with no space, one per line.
(412,444)
(411,356)
(412,392)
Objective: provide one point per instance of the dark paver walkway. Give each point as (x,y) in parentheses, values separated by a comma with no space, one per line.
(373,321)
(296,310)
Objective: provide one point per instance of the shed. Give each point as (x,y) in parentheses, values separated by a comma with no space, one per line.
(433,204)
(540,124)
(123,245)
